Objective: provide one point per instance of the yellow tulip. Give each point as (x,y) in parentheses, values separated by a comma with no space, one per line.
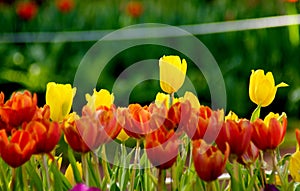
(60,98)
(122,136)
(192,98)
(101,98)
(172,73)
(162,98)
(231,116)
(262,88)
(70,175)
(295,166)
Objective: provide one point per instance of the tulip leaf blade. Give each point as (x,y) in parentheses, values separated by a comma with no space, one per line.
(36,180)
(72,161)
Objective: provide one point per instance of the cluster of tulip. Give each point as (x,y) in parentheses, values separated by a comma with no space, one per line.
(168,129)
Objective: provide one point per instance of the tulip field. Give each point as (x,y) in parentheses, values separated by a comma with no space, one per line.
(147,95)
(192,142)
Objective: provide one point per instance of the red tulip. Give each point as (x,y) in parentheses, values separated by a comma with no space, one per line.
(26,10)
(45,133)
(18,149)
(250,156)
(108,121)
(91,130)
(134,8)
(140,121)
(65,5)
(162,147)
(298,136)
(19,108)
(209,161)
(237,134)
(268,134)
(180,113)
(205,124)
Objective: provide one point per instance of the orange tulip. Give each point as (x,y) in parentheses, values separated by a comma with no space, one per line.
(18,149)
(139,121)
(204,124)
(237,134)
(108,121)
(180,113)
(209,161)
(88,132)
(19,108)
(162,147)
(45,133)
(268,134)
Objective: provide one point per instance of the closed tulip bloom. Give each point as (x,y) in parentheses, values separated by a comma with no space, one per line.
(45,133)
(205,124)
(237,133)
(139,121)
(60,98)
(162,98)
(269,133)
(72,136)
(20,108)
(209,161)
(262,89)
(101,98)
(18,149)
(88,132)
(180,113)
(294,166)
(162,147)
(172,73)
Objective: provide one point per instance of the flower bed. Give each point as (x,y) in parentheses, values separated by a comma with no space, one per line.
(176,138)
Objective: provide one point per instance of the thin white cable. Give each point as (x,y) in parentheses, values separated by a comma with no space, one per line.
(154,32)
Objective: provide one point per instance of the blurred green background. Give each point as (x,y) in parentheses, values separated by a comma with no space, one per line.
(31,65)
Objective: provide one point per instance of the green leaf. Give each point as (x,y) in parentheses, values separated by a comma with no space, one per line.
(60,181)
(34,177)
(256,114)
(72,161)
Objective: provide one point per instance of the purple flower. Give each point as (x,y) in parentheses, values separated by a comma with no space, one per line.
(83,187)
(270,187)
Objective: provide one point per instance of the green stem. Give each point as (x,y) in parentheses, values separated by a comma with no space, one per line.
(174,177)
(96,167)
(45,164)
(210,186)
(104,164)
(255,114)
(13,180)
(161,180)
(23,170)
(250,169)
(134,164)
(275,169)
(85,174)
(262,169)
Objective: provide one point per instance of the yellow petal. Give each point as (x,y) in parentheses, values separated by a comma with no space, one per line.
(70,175)
(231,116)
(294,166)
(122,136)
(59,97)
(101,98)
(192,98)
(172,73)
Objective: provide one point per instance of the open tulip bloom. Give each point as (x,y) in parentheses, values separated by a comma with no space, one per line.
(180,144)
